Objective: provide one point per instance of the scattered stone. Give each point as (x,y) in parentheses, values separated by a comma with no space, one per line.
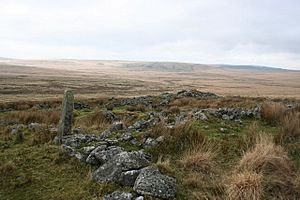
(126,136)
(110,116)
(201,116)
(80,106)
(195,93)
(65,123)
(71,151)
(223,130)
(102,154)
(160,139)
(150,142)
(118,126)
(124,161)
(151,182)
(34,127)
(139,198)
(128,178)
(117,195)
(139,125)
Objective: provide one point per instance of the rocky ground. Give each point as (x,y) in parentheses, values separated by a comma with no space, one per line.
(132,148)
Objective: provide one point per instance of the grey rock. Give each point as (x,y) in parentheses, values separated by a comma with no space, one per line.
(195,93)
(150,142)
(126,136)
(139,125)
(151,182)
(71,152)
(87,150)
(102,154)
(110,116)
(128,178)
(118,126)
(139,198)
(160,139)
(118,195)
(65,123)
(124,161)
(201,116)
(105,134)
(33,127)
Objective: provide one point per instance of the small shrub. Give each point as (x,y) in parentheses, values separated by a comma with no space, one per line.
(245,186)
(272,112)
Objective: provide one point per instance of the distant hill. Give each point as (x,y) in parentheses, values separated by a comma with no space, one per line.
(251,68)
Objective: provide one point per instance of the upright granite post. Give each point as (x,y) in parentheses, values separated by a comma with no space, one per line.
(66,119)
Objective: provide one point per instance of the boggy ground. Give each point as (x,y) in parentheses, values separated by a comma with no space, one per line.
(215,147)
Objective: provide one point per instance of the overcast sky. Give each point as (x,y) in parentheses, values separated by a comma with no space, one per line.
(261,32)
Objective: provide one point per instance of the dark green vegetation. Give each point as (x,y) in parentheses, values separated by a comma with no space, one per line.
(210,159)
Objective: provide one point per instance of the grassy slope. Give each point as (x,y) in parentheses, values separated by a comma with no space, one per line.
(43,172)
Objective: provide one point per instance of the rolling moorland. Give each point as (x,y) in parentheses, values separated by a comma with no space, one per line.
(210,132)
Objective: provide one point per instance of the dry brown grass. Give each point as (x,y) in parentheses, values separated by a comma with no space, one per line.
(192,180)
(247,185)
(249,139)
(5,133)
(273,112)
(95,120)
(25,117)
(199,158)
(159,129)
(138,107)
(164,164)
(174,109)
(290,128)
(42,136)
(273,163)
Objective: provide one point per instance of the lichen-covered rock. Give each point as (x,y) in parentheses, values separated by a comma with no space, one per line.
(118,195)
(116,126)
(124,161)
(128,178)
(107,173)
(151,182)
(66,119)
(102,154)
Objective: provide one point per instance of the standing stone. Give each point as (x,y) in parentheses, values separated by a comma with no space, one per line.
(65,123)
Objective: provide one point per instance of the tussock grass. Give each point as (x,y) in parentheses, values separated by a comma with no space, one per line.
(164,164)
(247,185)
(25,117)
(95,119)
(249,139)
(5,133)
(42,136)
(174,109)
(272,112)
(290,128)
(273,163)
(199,158)
(192,180)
